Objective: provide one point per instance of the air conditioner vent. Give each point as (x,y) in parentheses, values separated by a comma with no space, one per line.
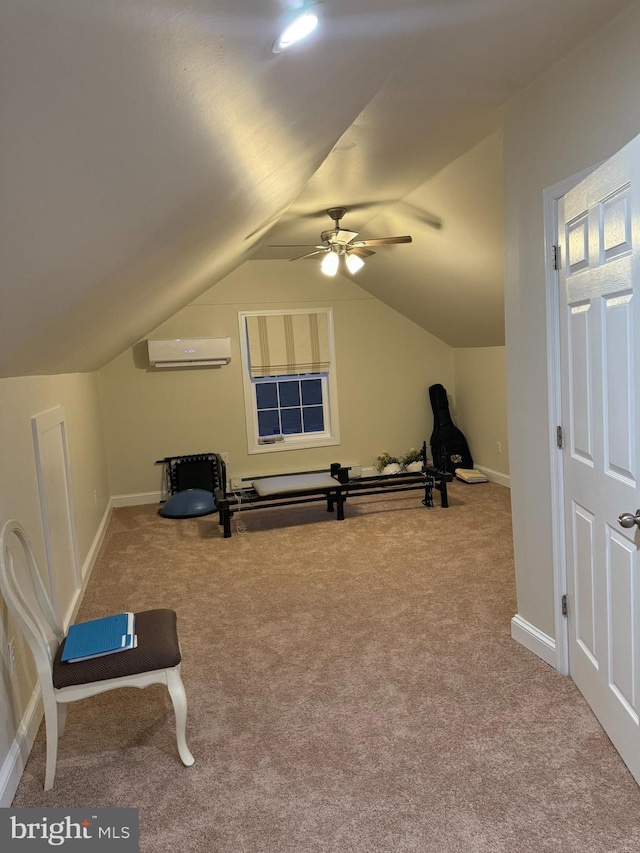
(190,352)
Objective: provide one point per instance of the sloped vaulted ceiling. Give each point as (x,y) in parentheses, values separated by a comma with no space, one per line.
(148,147)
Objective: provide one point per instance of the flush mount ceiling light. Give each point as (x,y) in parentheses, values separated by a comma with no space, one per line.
(298,29)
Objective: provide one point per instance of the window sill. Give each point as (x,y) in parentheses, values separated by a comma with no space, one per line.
(285,446)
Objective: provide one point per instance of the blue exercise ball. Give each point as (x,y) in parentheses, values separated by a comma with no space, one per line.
(189,503)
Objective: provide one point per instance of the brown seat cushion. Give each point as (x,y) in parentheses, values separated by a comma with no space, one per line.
(157,648)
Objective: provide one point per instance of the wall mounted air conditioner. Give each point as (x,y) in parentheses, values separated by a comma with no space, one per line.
(190,352)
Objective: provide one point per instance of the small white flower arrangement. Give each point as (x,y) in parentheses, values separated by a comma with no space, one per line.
(412,461)
(388,464)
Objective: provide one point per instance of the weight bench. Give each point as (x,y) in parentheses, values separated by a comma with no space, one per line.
(333,486)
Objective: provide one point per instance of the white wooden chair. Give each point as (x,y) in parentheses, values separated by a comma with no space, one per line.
(155,660)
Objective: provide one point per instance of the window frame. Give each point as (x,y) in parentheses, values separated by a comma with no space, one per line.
(331,434)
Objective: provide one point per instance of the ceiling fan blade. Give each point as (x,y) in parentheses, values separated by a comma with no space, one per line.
(361,253)
(383,241)
(344,236)
(309,255)
(422,215)
(294,246)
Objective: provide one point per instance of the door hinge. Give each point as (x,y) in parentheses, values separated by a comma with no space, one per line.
(565,606)
(560,437)
(555,257)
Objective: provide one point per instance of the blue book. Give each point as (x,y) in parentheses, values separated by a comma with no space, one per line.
(99,637)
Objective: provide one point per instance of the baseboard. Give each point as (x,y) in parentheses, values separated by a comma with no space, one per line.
(495,476)
(136,499)
(534,639)
(370,472)
(98,539)
(87,568)
(16,759)
(489,473)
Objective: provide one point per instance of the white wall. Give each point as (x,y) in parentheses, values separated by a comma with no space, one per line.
(452,276)
(576,115)
(20,399)
(385,364)
(481,406)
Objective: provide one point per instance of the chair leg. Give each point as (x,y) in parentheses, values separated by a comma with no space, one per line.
(179,700)
(62,718)
(51,728)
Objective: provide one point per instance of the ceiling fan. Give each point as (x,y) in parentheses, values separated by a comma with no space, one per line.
(340,243)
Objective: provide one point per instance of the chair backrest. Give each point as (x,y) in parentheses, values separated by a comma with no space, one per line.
(26,598)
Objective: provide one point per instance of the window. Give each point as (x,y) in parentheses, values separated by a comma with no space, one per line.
(289,379)
(289,405)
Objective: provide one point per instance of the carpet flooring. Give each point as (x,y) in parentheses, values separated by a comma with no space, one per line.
(353,688)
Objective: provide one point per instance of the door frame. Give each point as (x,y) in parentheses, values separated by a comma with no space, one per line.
(551,199)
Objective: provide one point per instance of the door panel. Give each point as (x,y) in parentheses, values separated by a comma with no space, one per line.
(599,227)
(622,645)
(618,390)
(581,415)
(585,594)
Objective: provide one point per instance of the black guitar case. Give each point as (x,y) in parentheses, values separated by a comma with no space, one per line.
(449,447)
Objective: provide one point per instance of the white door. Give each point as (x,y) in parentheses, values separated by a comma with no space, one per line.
(600,323)
(50,445)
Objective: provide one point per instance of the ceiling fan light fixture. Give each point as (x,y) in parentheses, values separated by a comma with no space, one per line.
(298,29)
(354,263)
(329,265)
(339,242)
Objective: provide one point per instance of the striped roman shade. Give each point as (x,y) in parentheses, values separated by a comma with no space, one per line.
(282,344)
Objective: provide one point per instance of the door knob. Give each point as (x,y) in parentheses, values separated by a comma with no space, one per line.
(626,519)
